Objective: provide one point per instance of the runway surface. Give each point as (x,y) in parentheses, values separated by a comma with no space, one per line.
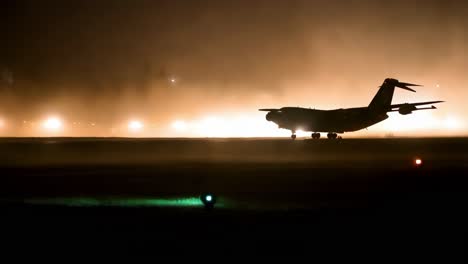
(363,196)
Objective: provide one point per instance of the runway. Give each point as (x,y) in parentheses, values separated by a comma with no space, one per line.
(274,191)
(27,152)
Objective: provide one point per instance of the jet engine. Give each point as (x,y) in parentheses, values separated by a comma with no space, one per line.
(406,109)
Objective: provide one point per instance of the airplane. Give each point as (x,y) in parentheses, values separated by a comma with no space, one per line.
(339,121)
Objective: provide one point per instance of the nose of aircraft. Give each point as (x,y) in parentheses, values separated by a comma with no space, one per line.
(269,116)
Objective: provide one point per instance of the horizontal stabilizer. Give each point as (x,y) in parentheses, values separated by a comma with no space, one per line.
(416,109)
(415,104)
(408,84)
(404,85)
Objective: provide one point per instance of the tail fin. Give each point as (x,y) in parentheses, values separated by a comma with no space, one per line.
(382,101)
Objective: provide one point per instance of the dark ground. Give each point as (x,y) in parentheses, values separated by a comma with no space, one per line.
(360,199)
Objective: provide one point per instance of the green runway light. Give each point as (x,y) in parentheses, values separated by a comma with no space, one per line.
(120,202)
(209,198)
(167,202)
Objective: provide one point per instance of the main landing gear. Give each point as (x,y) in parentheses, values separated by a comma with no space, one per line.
(332,135)
(317,135)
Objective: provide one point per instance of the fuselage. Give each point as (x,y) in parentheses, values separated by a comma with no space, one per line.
(337,120)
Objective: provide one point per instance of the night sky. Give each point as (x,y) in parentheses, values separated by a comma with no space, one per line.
(108,61)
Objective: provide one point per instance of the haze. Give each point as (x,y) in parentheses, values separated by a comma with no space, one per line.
(203,68)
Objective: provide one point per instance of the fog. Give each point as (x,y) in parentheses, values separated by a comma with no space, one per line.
(106,62)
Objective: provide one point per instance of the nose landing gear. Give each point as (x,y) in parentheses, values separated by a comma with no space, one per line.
(293,134)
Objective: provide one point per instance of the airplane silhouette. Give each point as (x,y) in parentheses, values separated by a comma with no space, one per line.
(345,120)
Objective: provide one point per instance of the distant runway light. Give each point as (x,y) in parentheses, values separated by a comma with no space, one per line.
(173,80)
(2,123)
(437,85)
(179,125)
(135,125)
(52,124)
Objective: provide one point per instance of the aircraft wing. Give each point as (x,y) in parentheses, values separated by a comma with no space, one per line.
(268,109)
(414,104)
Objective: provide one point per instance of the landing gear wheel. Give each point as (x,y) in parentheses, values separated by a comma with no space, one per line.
(332,135)
(315,135)
(293,136)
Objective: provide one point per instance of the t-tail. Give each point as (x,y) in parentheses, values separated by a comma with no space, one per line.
(382,101)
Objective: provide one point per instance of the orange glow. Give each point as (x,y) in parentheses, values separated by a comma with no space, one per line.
(188,82)
(52,124)
(234,126)
(241,124)
(420,123)
(245,124)
(452,123)
(228,125)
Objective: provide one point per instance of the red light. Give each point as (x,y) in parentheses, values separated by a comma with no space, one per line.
(418,162)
